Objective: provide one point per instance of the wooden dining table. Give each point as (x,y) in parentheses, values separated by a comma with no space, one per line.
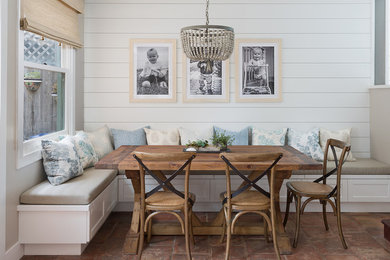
(207,164)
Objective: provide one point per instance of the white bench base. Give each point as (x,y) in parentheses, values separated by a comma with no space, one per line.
(54,249)
(64,229)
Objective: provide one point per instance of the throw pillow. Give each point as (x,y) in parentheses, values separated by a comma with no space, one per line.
(268,137)
(162,137)
(240,137)
(60,160)
(85,150)
(189,135)
(342,135)
(306,142)
(101,141)
(125,137)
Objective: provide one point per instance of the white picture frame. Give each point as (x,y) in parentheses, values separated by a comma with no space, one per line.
(152,70)
(258,70)
(205,87)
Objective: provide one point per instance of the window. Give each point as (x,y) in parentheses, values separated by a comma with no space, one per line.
(44,93)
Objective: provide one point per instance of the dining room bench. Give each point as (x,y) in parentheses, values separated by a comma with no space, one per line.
(61,220)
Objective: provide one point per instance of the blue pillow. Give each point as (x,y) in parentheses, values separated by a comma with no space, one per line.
(125,137)
(240,137)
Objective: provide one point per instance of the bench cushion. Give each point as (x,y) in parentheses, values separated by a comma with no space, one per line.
(362,166)
(79,191)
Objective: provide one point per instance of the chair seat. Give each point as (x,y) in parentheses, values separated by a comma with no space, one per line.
(167,199)
(310,188)
(248,198)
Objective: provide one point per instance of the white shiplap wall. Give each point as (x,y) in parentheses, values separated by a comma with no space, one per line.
(326,55)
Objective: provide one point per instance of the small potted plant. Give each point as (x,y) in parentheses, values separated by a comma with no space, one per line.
(32,80)
(222,140)
(197,145)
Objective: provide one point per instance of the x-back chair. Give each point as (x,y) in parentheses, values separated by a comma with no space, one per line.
(245,201)
(170,200)
(321,191)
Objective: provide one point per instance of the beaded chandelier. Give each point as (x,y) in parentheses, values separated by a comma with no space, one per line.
(207,42)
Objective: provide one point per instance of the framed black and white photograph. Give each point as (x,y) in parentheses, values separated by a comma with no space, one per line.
(258,70)
(152,70)
(205,82)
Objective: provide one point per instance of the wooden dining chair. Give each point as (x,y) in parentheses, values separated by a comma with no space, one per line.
(170,200)
(321,191)
(243,200)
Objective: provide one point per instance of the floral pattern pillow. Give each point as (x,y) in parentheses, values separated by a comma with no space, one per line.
(60,160)
(306,142)
(268,137)
(84,147)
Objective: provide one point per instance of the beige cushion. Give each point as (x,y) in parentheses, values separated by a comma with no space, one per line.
(361,166)
(162,137)
(343,135)
(78,191)
(102,141)
(190,135)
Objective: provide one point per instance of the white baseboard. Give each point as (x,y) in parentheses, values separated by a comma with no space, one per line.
(54,249)
(15,252)
(311,207)
(123,206)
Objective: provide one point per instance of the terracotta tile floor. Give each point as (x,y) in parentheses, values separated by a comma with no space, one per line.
(363,233)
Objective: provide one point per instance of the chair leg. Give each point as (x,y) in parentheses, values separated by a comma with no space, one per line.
(141,233)
(274,235)
(266,235)
(289,199)
(223,230)
(228,234)
(323,202)
(298,219)
(187,234)
(340,228)
(149,236)
(191,229)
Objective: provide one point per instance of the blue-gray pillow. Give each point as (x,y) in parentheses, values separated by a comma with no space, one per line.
(125,137)
(60,160)
(240,137)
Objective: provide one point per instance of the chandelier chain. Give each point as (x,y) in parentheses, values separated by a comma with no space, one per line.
(207,12)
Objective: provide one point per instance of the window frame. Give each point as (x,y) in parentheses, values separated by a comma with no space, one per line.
(3,125)
(29,151)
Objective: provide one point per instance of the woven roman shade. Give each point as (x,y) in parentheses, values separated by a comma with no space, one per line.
(54,19)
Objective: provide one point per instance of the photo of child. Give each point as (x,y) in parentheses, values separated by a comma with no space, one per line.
(152,73)
(258,70)
(204,82)
(152,70)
